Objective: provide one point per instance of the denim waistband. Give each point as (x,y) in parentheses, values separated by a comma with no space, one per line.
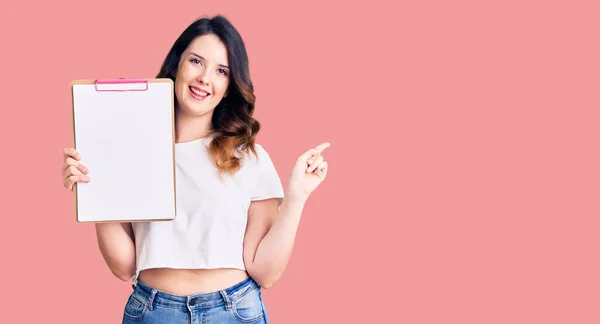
(152,296)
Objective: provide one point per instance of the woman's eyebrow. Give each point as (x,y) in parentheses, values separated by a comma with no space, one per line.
(221,65)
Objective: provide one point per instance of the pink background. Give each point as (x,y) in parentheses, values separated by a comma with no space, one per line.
(463,184)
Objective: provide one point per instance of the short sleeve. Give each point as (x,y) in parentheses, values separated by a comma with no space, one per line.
(267,183)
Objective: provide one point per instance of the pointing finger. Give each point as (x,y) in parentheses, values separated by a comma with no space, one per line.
(321,147)
(314,151)
(306,155)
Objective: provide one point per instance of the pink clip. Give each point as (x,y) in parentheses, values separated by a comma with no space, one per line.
(121,81)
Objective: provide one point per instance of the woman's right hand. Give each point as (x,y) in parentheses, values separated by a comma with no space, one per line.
(72,170)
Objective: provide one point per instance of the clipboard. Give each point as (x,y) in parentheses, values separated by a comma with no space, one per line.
(124,130)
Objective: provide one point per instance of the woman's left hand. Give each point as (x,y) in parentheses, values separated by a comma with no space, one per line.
(308,172)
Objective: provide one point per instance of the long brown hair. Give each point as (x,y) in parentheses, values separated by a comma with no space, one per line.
(233,130)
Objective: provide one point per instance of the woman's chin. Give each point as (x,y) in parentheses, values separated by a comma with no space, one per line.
(196,111)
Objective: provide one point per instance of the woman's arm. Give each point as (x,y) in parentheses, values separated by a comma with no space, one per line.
(271,229)
(117,246)
(115,240)
(270,237)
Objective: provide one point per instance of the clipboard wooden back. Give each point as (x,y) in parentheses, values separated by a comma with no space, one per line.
(125,132)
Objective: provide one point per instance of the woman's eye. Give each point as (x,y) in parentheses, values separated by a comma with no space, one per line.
(223,71)
(197,61)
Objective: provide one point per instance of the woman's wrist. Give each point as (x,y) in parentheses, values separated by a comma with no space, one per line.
(295,197)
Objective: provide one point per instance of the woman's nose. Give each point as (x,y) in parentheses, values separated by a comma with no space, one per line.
(203,77)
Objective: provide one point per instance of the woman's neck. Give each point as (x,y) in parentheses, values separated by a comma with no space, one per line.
(189,128)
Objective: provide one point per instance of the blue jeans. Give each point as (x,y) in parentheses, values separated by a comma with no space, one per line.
(240,303)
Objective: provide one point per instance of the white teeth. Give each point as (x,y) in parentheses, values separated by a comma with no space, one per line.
(203,94)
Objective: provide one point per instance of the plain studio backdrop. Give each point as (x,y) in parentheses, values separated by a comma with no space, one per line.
(463,183)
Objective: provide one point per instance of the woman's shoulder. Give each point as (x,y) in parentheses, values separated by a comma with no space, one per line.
(259,157)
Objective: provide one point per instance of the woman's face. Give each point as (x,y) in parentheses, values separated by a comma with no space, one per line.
(203,76)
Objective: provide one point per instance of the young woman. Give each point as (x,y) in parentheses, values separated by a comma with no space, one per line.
(236,225)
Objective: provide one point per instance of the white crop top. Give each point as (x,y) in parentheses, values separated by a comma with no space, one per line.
(208,230)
